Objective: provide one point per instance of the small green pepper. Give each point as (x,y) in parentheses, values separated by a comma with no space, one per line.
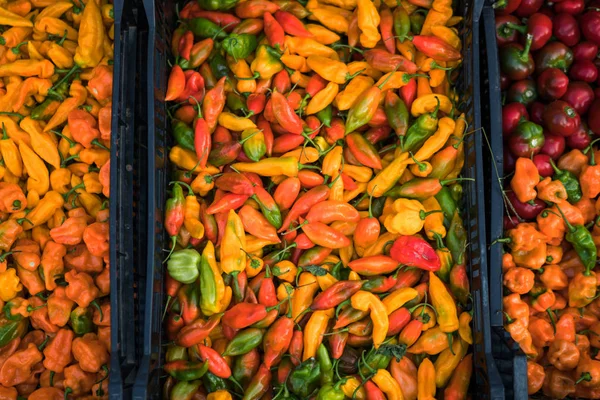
(183,265)
(81,320)
(218,65)
(175,353)
(569,181)
(583,243)
(447,204)
(184,390)
(304,379)
(184,370)
(217,5)
(240,46)
(325,115)
(204,29)
(244,341)
(325,365)
(10,330)
(331,392)
(184,135)
(420,131)
(456,238)
(213,383)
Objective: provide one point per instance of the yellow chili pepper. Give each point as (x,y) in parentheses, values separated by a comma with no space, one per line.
(346,4)
(235,123)
(187,160)
(90,49)
(42,143)
(304,293)
(26,68)
(358,173)
(439,14)
(331,17)
(322,34)
(10,155)
(331,70)
(365,301)
(444,304)
(12,19)
(434,222)
(285,270)
(92,183)
(60,180)
(44,210)
(427,103)
(436,142)
(241,69)
(55,26)
(208,257)
(233,244)
(191,219)
(60,56)
(36,169)
(388,177)
(447,362)
(368,22)
(426,380)
(353,90)
(314,330)
(308,47)
(364,68)
(305,155)
(464,327)
(353,389)
(407,219)
(295,62)
(398,298)
(287,166)
(322,99)
(448,35)
(55,10)
(10,284)
(393,80)
(388,385)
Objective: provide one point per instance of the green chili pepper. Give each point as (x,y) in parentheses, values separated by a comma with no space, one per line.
(240,46)
(217,5)
(583,243)
(183,134)
(416,23)
(212,383)
(331,392)
(325,115)
(203,28)
(304,379)
(183,370)
(236,102)
(325,365)
(447,204)
(456,238)
(46,109)
(176,353)
(218,65)
(569,181)
(10,330)
(457,191)
(208,286)
(244,367)
(401,23)
(183,265)
(81,320)
(244,341)
(420,131)
(184,390)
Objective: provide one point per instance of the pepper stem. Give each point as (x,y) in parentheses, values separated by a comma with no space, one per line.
(525,54)
(519,28)
(13,114)
(388,78)
(445,181)
(585,376)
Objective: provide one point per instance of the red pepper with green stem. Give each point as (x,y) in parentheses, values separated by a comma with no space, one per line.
(229,201)
(335,294)
(386,26)
(189,301)
(385,62)
(268,206)
(436,48)
(197,331)
(274,32)
(174,214)
(515,61)
(415,252)
(235,183)
(314,256)
(213,104)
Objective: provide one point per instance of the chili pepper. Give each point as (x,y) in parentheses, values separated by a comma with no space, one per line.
(304,379)
(186,370)
(81,321)
(459,382)
(415,252)
(183,265)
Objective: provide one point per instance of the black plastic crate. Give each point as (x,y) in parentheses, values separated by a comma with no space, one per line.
(511,362)
(161,20)
(124,209)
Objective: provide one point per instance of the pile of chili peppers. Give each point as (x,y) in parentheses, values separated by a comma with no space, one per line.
(317,249)
(549,68)
(55,120)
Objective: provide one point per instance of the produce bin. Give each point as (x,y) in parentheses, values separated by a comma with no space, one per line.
(124,210)
(161,17)
(511,362)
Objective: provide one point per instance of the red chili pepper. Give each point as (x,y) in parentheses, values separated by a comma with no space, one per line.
(214,102)
(304,204)
(216,363)
(398,319)
(288,142)
(185,45)
(291,24)
(329,211)
(202,141)
(284,370)
(363,150)
(230,201)
(348,316)
(171,288)
(176,84)
(380,284)
(267,294)
(324,235)
(408,92)
(411,332)
(265,126)
(256,103)
(174,323)
(374,265)
(189,301)
(296,347)
(373,392)
(194,88)
(386,26)
(413,251)
(315,84)
(408,278)
(235,183)
(282,82)
(211,230)
(335,132)
(274,32)
(459,283)
(314,256)
(224,20)
(335,294)
(310,179)
(174,213)
(385,62)
(349,183)
(436,48)
(277,340)
(285,114)
(197,331)
(359,341)
(337,344)
(261,382)
(378,134)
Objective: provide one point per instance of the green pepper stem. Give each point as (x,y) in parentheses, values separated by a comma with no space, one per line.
(185,185)
(445,181)
(519,28)
(13,114)
(524,56)
(389,77)
(249,137)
